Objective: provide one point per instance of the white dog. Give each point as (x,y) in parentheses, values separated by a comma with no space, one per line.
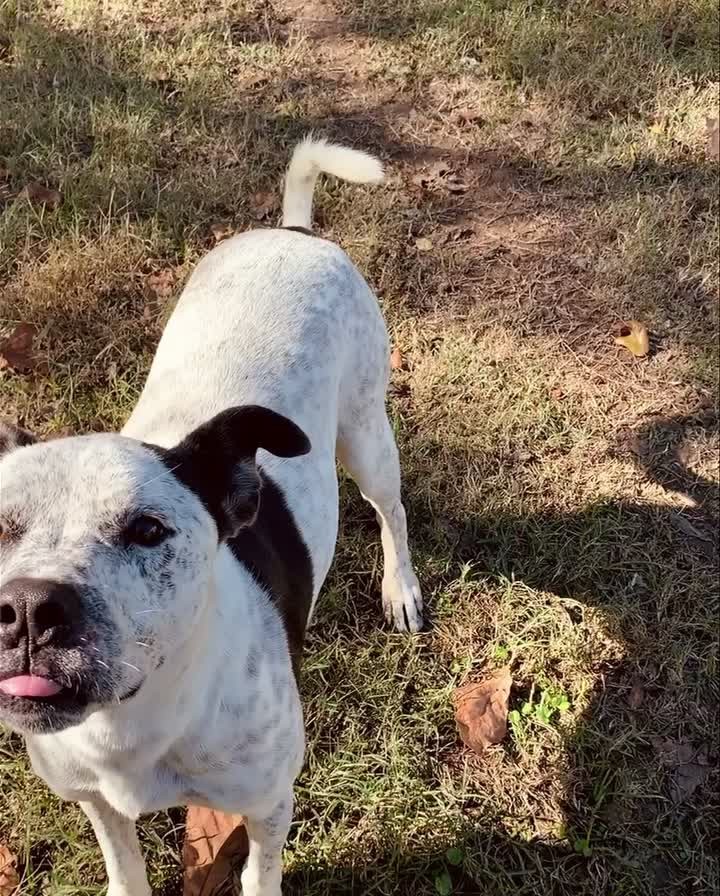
(155,585)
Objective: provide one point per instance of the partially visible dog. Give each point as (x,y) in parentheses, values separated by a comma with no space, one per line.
(155,585)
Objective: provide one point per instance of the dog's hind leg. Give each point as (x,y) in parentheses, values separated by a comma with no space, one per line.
(366,448)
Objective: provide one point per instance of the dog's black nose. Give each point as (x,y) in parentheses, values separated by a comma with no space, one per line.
(37,609)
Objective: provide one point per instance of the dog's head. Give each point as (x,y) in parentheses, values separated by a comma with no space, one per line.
(107,553)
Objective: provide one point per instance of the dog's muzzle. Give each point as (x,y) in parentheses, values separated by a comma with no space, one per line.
(48,674)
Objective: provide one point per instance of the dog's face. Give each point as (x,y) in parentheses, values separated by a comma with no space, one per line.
(107,553)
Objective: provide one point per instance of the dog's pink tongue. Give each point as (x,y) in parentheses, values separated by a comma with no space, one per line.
(30,686)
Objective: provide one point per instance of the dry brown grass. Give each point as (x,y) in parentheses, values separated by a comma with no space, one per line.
(562,496)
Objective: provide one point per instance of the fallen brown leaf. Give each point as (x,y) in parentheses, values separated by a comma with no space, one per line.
(440,177)
(9,878)
(466,117)
(222,231)
(37,194)
(16,352)
(455,184)
(458,234)
(263,205)
(481,710)
(633,336)
(396,359)
(690,766)
(161,283)
(214,843)
(712,150)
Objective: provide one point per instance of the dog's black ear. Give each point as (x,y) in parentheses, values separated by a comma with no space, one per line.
(217,461)
(12,437)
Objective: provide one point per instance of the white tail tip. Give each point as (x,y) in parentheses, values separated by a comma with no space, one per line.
(312,157)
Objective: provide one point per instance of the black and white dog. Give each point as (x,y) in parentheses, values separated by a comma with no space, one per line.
(155,585)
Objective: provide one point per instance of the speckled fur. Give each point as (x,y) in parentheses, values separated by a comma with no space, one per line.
(274,318)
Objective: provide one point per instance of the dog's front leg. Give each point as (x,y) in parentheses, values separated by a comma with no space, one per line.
(118,841)
(262,874)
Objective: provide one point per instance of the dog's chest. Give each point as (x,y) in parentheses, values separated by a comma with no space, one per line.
(231,756)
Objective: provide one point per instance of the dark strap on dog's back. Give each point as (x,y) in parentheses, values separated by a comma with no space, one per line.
(300,230)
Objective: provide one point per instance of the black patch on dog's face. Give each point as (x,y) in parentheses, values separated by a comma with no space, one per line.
(217,462)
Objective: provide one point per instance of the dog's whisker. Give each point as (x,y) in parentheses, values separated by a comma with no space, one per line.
(143,644)
(130,666)
(165,472)
(143,612)
(101,663)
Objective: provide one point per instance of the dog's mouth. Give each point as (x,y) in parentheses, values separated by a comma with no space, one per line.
(48,699)
(32,702)
(40,689)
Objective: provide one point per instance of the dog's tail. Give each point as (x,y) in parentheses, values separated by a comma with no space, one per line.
(312,157)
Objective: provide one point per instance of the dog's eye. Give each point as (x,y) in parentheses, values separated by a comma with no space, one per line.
(146,531)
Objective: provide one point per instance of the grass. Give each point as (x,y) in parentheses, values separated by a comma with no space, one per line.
(562,497)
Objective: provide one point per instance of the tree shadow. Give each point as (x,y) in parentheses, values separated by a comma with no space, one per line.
(185,189)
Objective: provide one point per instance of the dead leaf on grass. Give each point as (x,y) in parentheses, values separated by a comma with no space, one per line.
(263,205)
(222,231)
(397,361)
(214,843)
(466,117)
(481,710)
(712,150)
(16,352)
(37,194)
(161,283)
(9,878)
(633,336)
(690,766)
(455,184)
(458,234)
(423,244)
(440,177)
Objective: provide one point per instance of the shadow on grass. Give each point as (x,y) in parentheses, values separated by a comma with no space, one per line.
(632,825)
(178,189)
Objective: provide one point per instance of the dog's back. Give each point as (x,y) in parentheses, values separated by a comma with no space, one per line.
(281,319)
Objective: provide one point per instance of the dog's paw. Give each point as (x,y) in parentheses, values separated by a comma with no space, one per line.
(122,890)
(402,600)
(250,885)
